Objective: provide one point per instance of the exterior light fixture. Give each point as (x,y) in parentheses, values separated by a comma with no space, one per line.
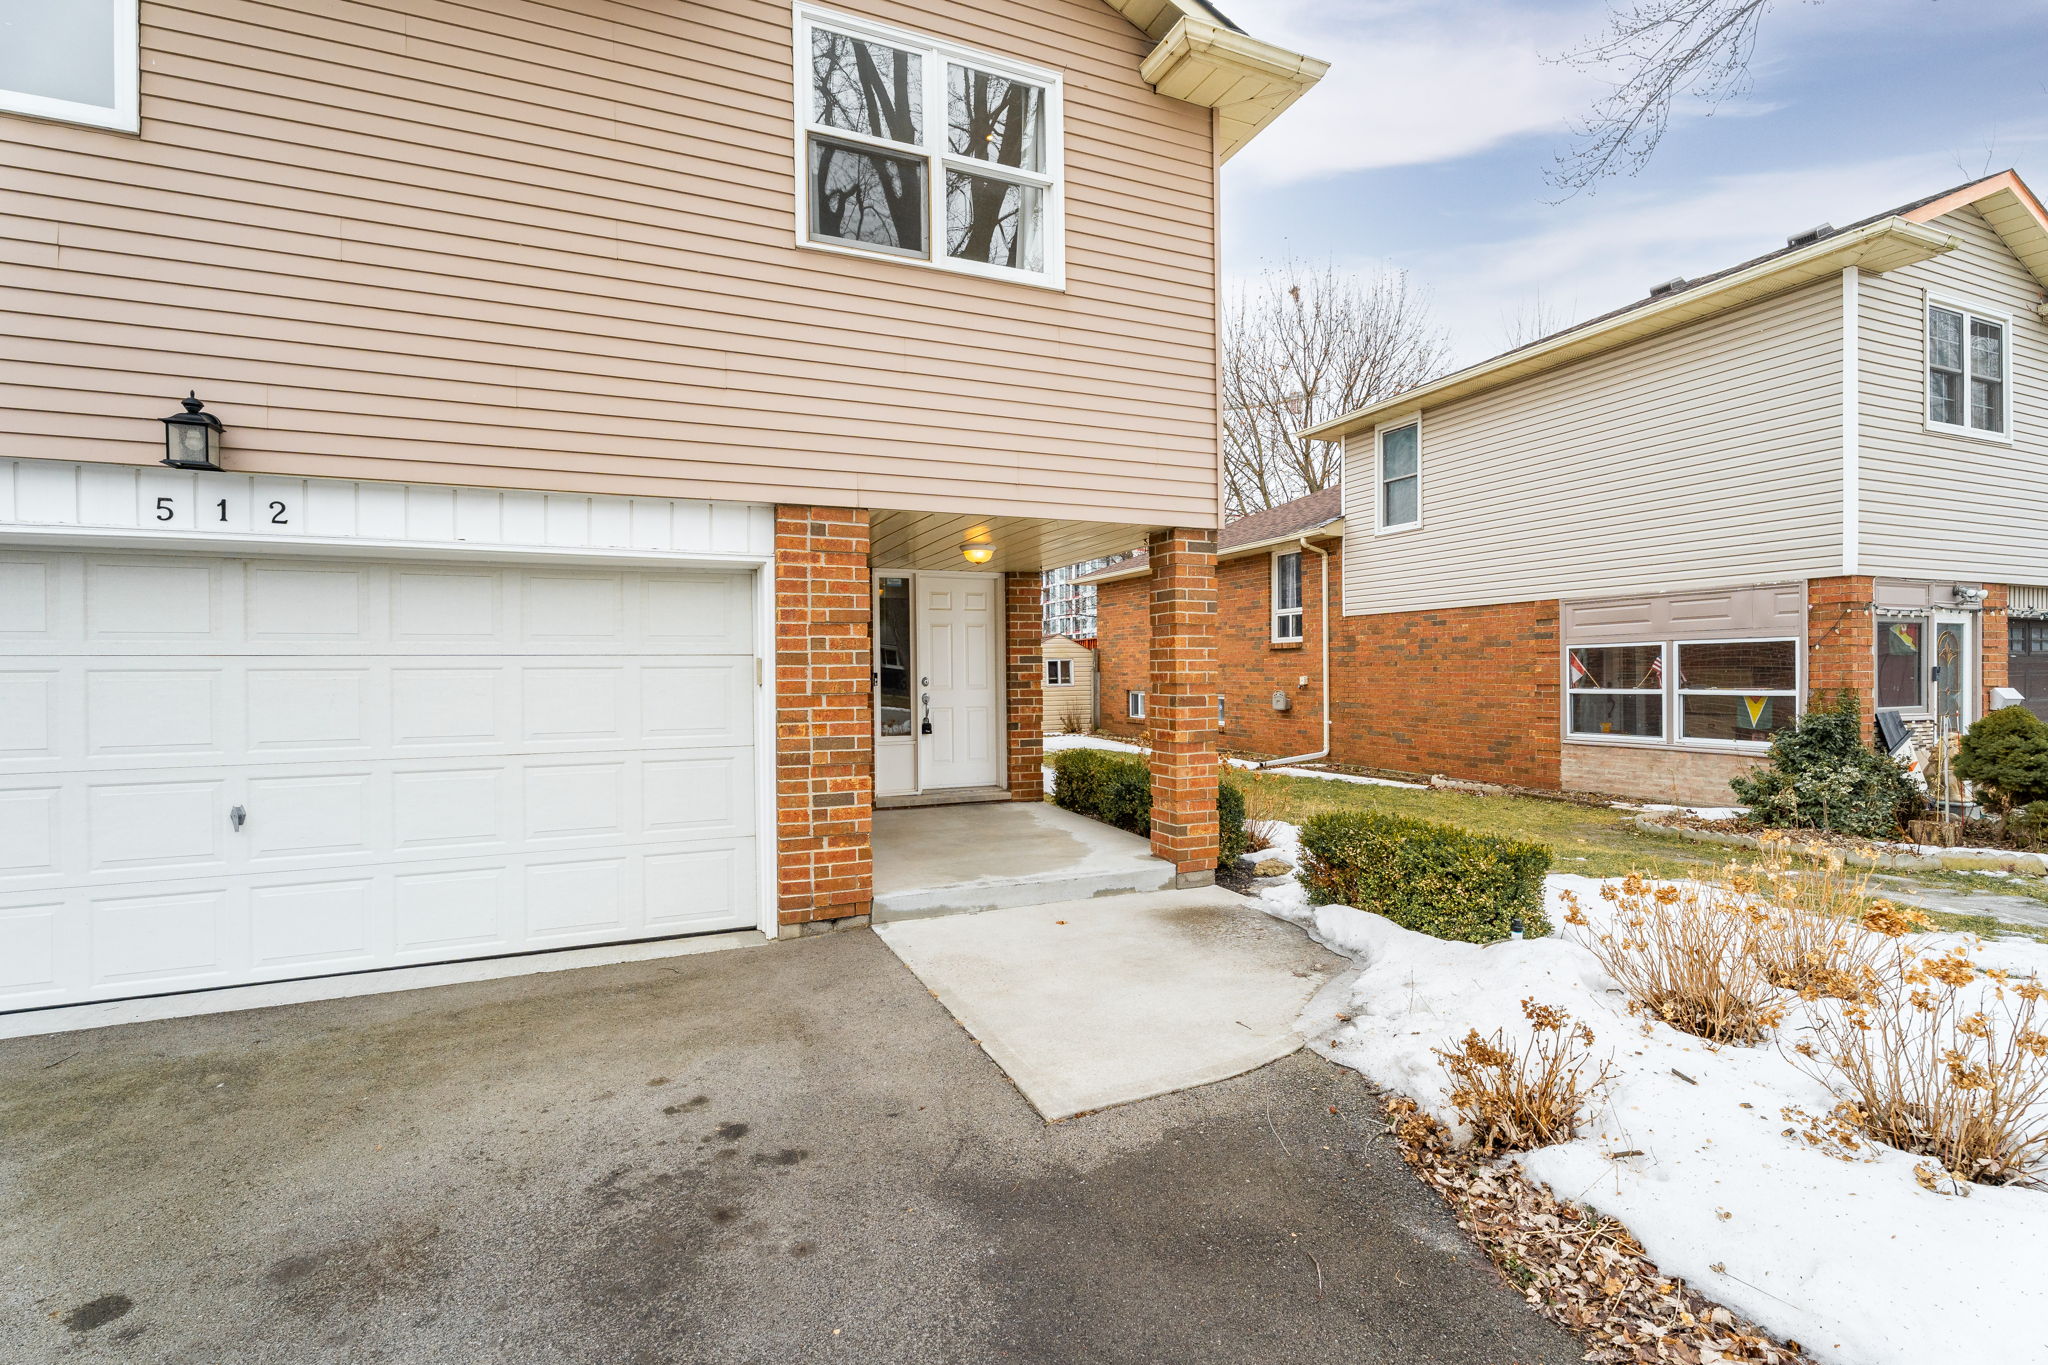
(978,552)
(192,437)
(1968,597)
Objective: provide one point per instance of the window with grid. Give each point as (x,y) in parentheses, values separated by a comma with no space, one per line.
(1401,477)
(918,149)
(1615,691)
(1966,370)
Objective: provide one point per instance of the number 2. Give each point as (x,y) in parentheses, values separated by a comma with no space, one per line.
(277,516)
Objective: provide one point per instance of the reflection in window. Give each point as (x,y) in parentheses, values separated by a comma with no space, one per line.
(892,656)
(995,118)
(994,222)
(1287,596)
(868,197)
(1899,671)
(1616,690)
(1966,370)
(865,87)
(1400,476)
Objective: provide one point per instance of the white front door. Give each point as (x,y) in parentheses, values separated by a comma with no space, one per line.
(217,771)
(960,687)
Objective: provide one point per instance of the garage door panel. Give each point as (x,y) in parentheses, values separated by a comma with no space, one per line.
(434,762)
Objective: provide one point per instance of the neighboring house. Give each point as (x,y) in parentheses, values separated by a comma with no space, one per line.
(598,379)
(1620,558)
(1069,601)
(1069,685)
(1268,632)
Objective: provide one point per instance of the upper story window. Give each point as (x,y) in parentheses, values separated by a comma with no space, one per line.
(920,150)
(1287,596)
(1400,482)
(1967,371)
(73,60)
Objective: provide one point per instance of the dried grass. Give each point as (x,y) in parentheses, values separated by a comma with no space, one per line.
(1261,819)
(1073,723)
(1682,954)
(1513,1101)
(1585,1272)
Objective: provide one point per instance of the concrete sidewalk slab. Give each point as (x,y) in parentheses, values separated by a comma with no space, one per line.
(1099,1002)
(943,860)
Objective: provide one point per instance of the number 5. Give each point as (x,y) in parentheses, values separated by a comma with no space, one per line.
(165,509)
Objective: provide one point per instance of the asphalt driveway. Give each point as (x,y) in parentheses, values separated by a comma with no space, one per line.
(780,1154)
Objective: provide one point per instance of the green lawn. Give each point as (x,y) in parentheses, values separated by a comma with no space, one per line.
(1596,841)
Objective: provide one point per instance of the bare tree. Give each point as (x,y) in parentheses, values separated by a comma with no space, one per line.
(1302,345)
(1534,318)
(1661,50)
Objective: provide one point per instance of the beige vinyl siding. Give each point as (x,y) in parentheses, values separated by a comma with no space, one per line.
(1706,457)
(1078,701)
(1936,504)
(552,245)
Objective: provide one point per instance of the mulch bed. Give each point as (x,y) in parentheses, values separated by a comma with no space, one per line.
(1582,1271)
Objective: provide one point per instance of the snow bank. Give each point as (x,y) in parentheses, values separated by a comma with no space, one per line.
(1853,1259)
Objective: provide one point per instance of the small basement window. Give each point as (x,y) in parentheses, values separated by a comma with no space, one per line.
(924,151)
(70,60)
(1615,691)
(1966,371)
(1134,705)
(1287,597)
(1059,672)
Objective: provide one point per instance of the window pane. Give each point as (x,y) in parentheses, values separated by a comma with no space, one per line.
(1734,717)
(1898,663)
(1987,349)
(1640,714)
(1287,626)
(1402,503)
(1287,583)
(1945,338)
(59,49)
(994,221)
(892,655)
(1945,397)
(1397,452)
(1743,666)
(994,118)
(866,87)
(1631,666)
(868,197)
(1987,405)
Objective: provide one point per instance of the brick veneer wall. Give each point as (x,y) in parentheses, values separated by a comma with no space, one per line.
(1181,709)
(1841,639)
(1024,683)
(1123,650)
(1997,642)
(824,714)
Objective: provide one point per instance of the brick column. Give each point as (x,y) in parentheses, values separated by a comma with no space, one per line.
(1024,684)
(1180,712)
(1841,639)
(824,716)
(1996,663)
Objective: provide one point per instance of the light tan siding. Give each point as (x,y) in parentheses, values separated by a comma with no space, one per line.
(1936,504)
(1070,709)
(552,245)
(1706,457)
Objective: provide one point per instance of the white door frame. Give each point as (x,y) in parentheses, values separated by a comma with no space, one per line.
(998,642)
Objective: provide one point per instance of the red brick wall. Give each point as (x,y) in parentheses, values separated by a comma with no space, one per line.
(824,718)
(1181,709)
(1997,640)
(1469,693)
(1024,683)
(1841,639)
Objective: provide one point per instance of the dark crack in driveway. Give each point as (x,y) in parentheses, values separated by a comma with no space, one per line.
(777,1155)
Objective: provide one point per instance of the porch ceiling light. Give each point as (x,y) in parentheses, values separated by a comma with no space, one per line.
(978,551)
(192,437)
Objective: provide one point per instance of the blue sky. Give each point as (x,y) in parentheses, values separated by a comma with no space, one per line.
(1425,147)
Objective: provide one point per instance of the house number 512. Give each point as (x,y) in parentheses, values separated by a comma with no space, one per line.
(277,512)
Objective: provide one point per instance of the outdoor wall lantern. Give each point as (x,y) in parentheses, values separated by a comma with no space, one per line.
(978,552)
(192,437)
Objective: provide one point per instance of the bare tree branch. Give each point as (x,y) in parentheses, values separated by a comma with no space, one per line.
(1302,345)
(1661,50)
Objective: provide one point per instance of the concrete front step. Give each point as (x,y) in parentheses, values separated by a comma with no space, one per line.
(949,860)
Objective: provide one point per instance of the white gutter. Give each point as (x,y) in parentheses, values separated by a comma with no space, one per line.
(1324,614)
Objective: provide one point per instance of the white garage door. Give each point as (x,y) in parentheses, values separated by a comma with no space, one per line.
(216,771)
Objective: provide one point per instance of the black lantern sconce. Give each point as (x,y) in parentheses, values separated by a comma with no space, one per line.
(192,437)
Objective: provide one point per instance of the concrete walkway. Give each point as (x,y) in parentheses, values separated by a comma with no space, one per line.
(784,1154)
(1091,1003)
(944,860)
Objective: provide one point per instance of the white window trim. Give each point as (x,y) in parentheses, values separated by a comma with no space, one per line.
(936,52)
(126,114)
(1054,667)
(1969,308)
(1300,612)
(1673,736)
(1134,704)
(1674,719)
(1379,483)
(1662,737)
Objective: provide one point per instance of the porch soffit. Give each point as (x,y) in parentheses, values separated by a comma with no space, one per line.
(932,540)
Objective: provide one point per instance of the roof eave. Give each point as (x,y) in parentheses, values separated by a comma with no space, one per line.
(1247,82)
(1880,247)
(2011,209)
(1333,529)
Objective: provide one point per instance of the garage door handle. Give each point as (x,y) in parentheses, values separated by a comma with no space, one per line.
(238,817)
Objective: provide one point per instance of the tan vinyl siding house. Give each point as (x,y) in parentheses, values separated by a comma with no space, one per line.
(1070,686)
(521,244)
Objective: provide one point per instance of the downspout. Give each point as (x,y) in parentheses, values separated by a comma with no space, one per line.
(1323,614)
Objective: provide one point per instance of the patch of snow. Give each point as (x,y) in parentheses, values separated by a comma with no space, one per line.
(1853,1259)
(1690,812)
(1055,743)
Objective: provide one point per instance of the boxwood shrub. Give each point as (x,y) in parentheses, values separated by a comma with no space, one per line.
(1435,879)
(1116,789)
